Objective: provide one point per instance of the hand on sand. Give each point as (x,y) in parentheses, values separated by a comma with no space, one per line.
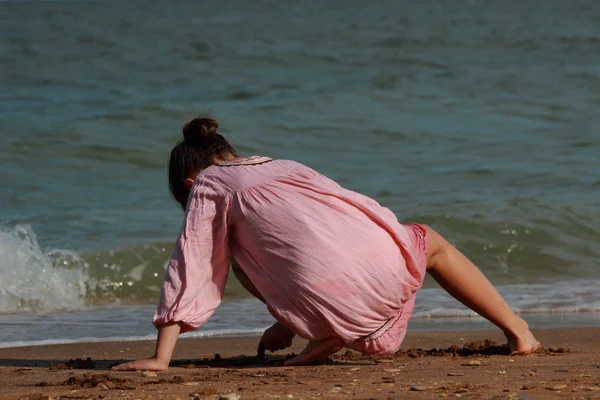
(277,337)
(148,364)
(523,344)
(316,351)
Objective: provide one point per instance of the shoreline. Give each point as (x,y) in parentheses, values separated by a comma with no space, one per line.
(572,370)
(559,320)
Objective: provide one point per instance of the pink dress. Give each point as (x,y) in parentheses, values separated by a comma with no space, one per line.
(329,262)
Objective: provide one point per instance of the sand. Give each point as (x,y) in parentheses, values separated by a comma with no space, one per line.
(571,370)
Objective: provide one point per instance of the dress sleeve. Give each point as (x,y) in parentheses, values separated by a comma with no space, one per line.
(197,272)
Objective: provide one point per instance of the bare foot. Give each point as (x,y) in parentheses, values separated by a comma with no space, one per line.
(149,364)
(523,344)
(315,351)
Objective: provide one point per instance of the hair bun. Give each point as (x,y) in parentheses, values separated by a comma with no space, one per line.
(200,131)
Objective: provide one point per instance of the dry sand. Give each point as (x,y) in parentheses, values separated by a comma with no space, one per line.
(570,371)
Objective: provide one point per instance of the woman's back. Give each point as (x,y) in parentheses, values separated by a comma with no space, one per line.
(328,261)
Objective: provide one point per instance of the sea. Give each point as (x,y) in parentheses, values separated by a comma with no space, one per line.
(480,118)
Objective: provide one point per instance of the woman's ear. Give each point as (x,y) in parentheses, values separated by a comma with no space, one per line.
(188,182)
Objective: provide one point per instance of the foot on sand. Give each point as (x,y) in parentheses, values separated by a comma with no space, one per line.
(523,344)
(316,351)
(149,364)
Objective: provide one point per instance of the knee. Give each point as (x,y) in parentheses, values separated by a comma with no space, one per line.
(427,228)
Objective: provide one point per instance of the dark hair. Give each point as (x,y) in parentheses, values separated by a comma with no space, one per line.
(201,147)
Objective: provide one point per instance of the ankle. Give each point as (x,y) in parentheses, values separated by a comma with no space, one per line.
(517,330)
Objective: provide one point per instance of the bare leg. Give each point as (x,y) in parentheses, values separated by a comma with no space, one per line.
(465,282)
(244,280)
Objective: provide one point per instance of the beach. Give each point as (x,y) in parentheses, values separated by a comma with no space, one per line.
(569,368)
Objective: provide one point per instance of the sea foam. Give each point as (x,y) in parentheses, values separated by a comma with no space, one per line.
(35,280)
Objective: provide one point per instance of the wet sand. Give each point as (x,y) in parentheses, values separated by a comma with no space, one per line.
(431,366)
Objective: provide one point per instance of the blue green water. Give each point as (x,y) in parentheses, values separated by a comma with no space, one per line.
(479,118)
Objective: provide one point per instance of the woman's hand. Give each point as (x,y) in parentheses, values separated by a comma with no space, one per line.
(277,337)
(148,364)
(167,337)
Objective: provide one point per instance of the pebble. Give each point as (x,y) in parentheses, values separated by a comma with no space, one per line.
(149,374)
(593,389)
(455,374)
(511,360)
(384,361)
(556,387)
(501,372)
(527,387)
(393,371)
(102,386)
(190,383)
(529,373)
(471,364)
(229,396)
(417,388)
(336,389)
(463,390)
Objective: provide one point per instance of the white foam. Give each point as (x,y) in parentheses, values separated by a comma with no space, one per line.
(557,297)
(197,334)
(34,280)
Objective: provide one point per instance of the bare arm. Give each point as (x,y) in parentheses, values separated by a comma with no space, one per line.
(165,343)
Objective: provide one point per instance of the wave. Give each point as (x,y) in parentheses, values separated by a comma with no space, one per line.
(59,296)
(37,280)
(31,279)
(41,281)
